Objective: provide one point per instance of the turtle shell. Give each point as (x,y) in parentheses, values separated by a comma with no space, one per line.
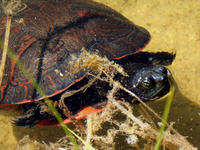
(47,35)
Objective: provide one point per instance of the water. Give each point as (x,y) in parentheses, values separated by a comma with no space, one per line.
(175,27)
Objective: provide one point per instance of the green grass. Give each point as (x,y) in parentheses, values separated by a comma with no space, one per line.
(164,118)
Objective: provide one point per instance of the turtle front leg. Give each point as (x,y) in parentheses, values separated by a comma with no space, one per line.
(34,113)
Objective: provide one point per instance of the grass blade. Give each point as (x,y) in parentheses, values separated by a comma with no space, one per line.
(165,116)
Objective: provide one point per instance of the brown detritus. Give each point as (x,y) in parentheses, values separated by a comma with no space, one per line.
(12,7)
(65,109)
(69,115)
(45,108)
(132,125)
(94,63)
(128,127)
(97,66)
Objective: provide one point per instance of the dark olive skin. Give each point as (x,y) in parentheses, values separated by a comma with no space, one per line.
(149,82)
(148,77)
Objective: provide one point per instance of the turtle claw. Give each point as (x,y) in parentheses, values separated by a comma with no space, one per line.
(24,121)
(31,117)
(27,120)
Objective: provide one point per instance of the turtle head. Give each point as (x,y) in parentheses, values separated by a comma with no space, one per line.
(149,82)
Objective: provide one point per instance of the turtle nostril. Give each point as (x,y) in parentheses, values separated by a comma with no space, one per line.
(169,73)
(162,70)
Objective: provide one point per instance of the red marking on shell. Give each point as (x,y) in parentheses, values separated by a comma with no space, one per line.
(82,13)
(57,92)
(24,84)
(16,29)
(4,18)
(77,80)
(138,50)
(51,80)
(2,23)
(2,89)
(23,47)
(26,91)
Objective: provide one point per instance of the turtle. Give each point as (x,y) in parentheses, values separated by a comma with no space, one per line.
(48,38)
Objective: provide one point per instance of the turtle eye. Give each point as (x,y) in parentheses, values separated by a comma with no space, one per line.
(147,83)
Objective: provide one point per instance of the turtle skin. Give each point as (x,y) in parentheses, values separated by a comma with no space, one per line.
(47,35)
